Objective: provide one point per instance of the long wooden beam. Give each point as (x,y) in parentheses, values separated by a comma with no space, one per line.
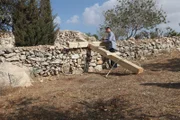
(82,44)
(121,61)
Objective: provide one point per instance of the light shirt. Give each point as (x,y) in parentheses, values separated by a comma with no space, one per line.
(112,39)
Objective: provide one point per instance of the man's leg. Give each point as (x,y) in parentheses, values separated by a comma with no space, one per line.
(112,62)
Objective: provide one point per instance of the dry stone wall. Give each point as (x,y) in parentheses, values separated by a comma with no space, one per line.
(53,60)
(140,49)
(49,60)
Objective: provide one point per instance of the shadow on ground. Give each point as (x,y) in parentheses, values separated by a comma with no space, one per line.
(117,73)
(7,90)
(171,65)
(164,85)
(114,109)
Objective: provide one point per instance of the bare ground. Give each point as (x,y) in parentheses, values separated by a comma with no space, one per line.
(153,95)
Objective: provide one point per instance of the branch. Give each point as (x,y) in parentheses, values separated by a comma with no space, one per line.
(133,32)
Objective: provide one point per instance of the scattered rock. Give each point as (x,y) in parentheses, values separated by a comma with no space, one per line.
(13,59)
(75,56)
(23,57)
(57,61)
(100,62)
(37,59)
(91,69)
(92,64)
(9,55)
(77,71)
(98,68)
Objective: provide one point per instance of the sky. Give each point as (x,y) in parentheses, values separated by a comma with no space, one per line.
(87,15)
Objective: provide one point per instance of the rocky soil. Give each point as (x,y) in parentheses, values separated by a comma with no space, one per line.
(153,95)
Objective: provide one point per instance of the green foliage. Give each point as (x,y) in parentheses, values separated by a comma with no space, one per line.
(153,33)
(142,35)
(5,15)
(33,23)
(131,16)
(170,32)
(157,33)
(46,23)
(92,35)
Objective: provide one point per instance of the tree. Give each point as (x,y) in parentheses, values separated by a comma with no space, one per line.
(25,22)
(33,23)
(92,35)
(48,29)
(5,15)
(142,35)
(150,34)
(170,32)
(130,16)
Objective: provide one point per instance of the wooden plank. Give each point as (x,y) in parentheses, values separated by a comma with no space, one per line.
(78,44)
(121,61)
(126,64)
(82,44)
(72,44)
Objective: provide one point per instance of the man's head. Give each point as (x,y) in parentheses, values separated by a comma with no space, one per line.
(108,29)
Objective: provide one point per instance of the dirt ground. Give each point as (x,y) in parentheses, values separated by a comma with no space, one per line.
(153,95)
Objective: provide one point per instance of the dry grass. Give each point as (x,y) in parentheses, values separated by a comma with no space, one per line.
(153,95)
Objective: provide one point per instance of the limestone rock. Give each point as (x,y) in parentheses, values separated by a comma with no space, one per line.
(100,62)
(13,59)
(57,61)
(13,75)
(2,59)
(45,63)
(178,49)
(92,64)
(23,57)
(9,55)
(98,68)
(37,59)
(1,52)
(75,56)
(77,71)
(91,69)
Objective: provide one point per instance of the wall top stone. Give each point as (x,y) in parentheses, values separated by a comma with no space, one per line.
(7,40)
(63,37)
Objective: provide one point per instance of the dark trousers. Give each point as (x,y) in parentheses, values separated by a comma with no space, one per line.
(112,62)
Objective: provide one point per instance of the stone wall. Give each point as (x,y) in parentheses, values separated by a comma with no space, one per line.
(140,49)
(49,60)
(53,60)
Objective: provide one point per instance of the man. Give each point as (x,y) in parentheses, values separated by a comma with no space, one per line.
(111,40)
